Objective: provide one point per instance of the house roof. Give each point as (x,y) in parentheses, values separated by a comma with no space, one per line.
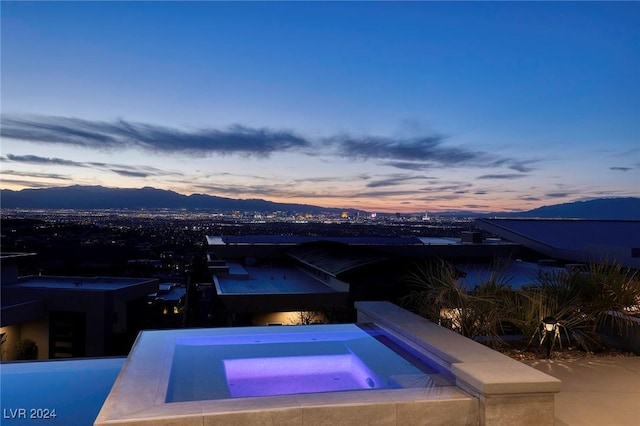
(578,240)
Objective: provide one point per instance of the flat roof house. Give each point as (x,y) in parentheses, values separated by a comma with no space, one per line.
(70,316)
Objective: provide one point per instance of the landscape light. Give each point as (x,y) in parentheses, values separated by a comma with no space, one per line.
(550,324)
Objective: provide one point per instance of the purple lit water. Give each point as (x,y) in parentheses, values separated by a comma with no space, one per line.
(264,361)
(288,375)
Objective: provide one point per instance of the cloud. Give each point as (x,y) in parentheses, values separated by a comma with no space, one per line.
(455,187)
(423,149)
(34,159)
(121,169)
(396,180)
(408,165)
(35,175)
(417,153)
(122,134)
(26,183)
(621,169)
(443,197)
(502,176)
(522,166)
(130,173)
(558,194)
(368,194)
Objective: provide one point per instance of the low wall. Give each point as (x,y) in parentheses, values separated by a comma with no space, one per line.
(509,392)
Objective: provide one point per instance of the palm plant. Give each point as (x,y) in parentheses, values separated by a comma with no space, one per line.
(438,294)
(583,301)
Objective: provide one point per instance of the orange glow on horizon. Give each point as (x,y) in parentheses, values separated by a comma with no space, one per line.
(342,203)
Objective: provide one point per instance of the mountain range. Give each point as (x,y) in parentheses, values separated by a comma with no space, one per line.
(98,197)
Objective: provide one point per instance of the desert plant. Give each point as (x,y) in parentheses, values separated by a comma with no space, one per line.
(437,292)
(583,300)
(26,349)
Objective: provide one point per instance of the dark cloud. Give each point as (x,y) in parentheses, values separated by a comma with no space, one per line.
(455,187)
(34,159)
(502,176)
(130,173)
(407,165)
(530,198)
(395,180)
(621,169)
(368,194)
(26,183)
(422,149)
(558,194)
(121,169)
(121,134)
(416,154)
(420,153)
(522,166)
(445,197)
(35,175)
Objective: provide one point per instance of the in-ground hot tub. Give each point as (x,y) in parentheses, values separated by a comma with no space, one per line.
(263,361)
(401,371)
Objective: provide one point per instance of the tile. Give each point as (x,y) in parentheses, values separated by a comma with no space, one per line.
(438,413)
(273,417)
(525,410)
(347,415)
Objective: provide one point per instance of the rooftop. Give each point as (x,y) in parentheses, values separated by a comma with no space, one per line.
(10,255)
(573,239)
(300,239)
(572,234)
(515,274)
(268,280)
(77,283)
(334,258)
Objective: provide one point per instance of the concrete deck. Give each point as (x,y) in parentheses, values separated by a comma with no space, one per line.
(595,391)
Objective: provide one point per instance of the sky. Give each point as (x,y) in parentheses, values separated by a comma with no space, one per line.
(380,106)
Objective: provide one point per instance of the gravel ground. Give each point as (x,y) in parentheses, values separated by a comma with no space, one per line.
(564,353)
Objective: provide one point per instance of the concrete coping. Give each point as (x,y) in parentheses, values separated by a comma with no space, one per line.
(476,367)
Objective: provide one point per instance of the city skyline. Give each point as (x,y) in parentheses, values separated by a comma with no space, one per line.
(389,107)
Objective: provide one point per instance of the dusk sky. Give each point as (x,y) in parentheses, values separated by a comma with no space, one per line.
(386,107)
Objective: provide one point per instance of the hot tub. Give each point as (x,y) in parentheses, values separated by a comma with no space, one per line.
(318,374)
(264,361)
(401,370)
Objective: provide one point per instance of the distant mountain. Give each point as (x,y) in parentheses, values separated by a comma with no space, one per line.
(99,197)
(600,208)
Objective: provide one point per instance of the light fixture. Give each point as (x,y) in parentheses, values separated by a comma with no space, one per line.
(549,324)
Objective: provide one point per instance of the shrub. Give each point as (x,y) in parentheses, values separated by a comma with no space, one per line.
(583,302)
(437,293)
(26,349)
